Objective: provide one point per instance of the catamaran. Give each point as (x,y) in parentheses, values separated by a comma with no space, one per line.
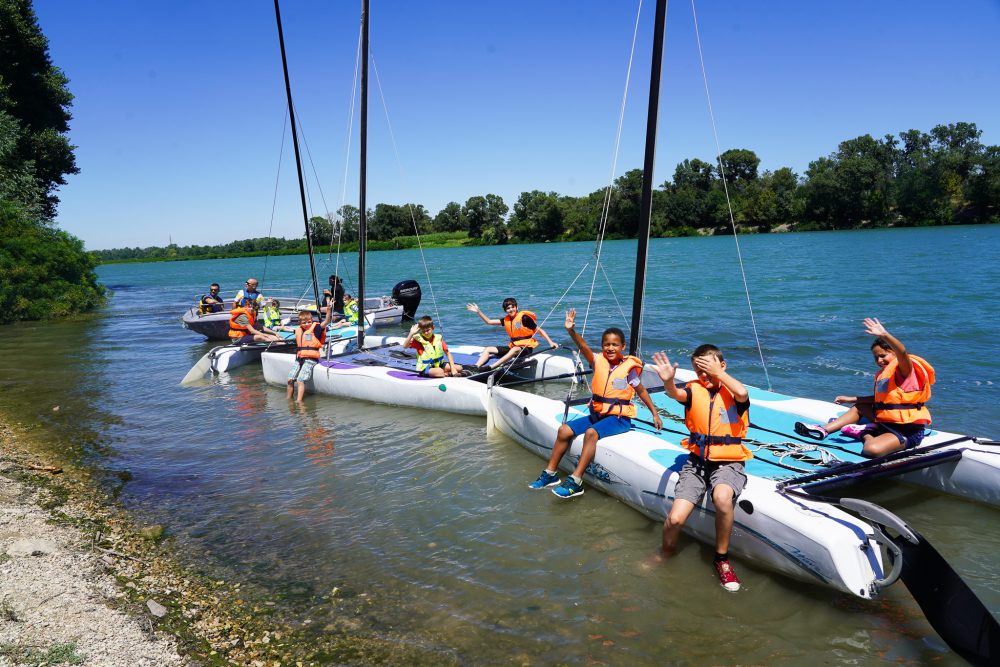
(782,522)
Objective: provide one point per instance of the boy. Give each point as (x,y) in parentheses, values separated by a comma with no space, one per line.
(717,413)
(242,321)
(616,380)
(309,339)
(351,316)
(431,351)
(521,327)
(896,415)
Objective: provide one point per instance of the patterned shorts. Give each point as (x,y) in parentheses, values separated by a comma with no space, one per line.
(302,370)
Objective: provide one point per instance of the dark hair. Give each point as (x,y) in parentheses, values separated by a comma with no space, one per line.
(216,285)
(334,279)
(425,322)
(707,349)
(616,331)
(509,301)
(882,343)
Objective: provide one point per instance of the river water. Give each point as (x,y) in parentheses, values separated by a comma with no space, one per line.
(421,521)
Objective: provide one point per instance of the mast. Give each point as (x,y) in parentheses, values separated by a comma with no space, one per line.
(363,219)
(646,202)
(298,158)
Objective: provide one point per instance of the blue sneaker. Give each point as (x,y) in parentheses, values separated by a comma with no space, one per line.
(568,489)
(544,481)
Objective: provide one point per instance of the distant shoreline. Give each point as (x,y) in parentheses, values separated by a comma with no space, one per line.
(407,244)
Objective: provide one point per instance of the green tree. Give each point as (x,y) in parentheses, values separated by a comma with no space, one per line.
(34,93)
(321,230)
(485,217)
(347,219)
(740,166)
(536,217)
(449,219)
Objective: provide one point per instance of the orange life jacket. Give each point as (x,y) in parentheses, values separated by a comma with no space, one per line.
(895,406)
(520,335)
(237,330)
(611,394)
(307,343)
(717,428)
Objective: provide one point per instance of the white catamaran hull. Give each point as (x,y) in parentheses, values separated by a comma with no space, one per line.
(396,386)
(807,540)
(225,359)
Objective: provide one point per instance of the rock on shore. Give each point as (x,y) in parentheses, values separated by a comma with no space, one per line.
(57,599)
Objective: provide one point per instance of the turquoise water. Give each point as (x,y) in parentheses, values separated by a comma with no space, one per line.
(421,520)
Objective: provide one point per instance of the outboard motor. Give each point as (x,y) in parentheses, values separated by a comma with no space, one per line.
(407,294)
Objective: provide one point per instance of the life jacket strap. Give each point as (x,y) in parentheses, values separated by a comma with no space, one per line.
(898,406)
(609,401)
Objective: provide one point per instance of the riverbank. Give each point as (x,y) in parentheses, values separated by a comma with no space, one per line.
(82,583)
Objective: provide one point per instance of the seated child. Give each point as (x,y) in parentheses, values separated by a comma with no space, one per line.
(896,414)
(616,380)
(431,351)
(717,413)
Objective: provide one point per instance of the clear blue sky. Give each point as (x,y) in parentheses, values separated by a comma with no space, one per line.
(179,105)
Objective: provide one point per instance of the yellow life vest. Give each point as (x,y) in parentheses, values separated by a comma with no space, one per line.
(431,354)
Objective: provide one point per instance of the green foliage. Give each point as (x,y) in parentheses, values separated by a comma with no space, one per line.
(46,271)
(59,654)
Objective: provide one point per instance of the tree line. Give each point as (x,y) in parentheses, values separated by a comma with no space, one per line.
(46,271)
(945,176)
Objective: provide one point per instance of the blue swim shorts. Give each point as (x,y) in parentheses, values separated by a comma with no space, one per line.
(605,426)
(302,370)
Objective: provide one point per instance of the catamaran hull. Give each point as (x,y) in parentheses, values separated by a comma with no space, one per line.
(393,386)
(809,541)
(213,326)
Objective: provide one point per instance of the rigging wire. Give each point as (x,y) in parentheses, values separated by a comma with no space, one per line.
(274,199)
(402,178)
(725,186)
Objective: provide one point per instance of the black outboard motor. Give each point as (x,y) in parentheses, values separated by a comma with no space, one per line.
(407,294)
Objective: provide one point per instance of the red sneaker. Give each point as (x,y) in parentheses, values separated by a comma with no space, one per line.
(727,576)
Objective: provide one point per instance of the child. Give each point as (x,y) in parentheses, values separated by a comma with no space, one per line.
(242,325)
(896,414)
(351,315)
(309,339)
(431,351)
(717,413)
(521,327)
(616,380)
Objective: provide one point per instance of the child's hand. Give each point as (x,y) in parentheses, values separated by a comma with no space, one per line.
(709,365)
(874,327)
(472,308)
(846,400)
(664,368)
(570,318)
(657,422)
(414,329)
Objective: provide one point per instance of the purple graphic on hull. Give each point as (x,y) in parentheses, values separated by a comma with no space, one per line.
(403,375)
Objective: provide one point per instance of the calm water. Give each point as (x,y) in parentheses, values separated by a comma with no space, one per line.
(422,521)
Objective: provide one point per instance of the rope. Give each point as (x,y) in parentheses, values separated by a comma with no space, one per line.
(413,219)
(274,199)
(725,187)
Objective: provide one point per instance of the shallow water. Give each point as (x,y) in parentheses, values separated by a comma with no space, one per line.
(421,520)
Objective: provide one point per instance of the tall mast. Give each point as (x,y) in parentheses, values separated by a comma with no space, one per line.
(363,221)
(298,158)
(646,203)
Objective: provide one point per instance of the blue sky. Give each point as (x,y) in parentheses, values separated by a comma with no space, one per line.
(179,106)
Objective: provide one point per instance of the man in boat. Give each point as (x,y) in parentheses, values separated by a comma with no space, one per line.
(895,415)
(333,297)
(433,358)
(211,302)
(717,414)
(310,336)
(243,323)
(250,293)
(616,381)
(521,327)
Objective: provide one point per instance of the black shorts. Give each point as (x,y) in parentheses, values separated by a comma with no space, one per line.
(502,351)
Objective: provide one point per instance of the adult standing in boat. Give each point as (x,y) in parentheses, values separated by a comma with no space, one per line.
(242,325)
(249,294)
(521,327)
(211,302)
(896,413)
(616,381)
(717,413)
(333,297)
(310,337)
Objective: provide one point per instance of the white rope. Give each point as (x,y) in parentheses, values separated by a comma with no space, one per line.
(606,204)
(413,219)
(274,198)
(732,220)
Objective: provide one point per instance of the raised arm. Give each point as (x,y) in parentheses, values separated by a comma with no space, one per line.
(585,350)
(875,328)
(471,307)
(711,366)
(667,371)
(409,337)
